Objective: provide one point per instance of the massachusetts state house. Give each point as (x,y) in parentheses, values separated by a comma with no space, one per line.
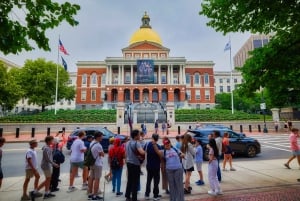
(145,80)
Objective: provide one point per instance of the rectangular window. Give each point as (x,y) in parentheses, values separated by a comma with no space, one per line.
(103,79)
(115,78)
(206,79)
(228,88)
(175,78)
(93,95)
(221,89)
(228,80)
(127,77)
(235,80)
(83,95)
(164,77)
(102,95)
(188,94)
(197,94)
(207,94)
(221,80)
(70,82)
(187,78)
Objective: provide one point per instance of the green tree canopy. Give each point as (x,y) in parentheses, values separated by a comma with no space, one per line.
(276,65)
(38,79)
(10,90)
(18,32)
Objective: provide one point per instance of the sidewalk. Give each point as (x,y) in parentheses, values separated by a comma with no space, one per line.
(253,180)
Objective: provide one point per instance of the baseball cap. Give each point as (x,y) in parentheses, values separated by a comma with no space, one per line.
(166,141)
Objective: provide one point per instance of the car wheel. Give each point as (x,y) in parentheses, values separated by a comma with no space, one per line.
(251,151)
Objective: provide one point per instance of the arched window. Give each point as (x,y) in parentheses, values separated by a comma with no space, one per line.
(206,79)
(94,79)
(84,80)
(197,79)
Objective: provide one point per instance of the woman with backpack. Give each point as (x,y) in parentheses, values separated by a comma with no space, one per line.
(116,161)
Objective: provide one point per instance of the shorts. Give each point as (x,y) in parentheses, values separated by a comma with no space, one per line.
(190,169)
(296,152)
(77,164)
(47,172)
(96,172)
(29,173)
(199,166)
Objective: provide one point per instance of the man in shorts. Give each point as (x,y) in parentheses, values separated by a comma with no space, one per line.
(96,169)
(77,160)
(46,165)
(31,171)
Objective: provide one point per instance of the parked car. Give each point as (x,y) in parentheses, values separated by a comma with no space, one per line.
(107,134)
(240,144)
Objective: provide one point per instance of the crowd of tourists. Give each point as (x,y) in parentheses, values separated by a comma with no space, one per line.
(166,164)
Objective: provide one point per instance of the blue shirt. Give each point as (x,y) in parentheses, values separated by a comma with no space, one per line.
(199,154)
(153,160)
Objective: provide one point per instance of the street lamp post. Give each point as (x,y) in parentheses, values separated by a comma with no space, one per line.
(263,108)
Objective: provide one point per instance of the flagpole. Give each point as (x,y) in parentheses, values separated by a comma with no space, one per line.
(56,86)
(231,79)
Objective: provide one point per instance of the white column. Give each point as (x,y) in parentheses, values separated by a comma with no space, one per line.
(122,74)
(180,75)
(183,75)
(159,74)
(107,75)
(119,74)
(169,76)
(131,74)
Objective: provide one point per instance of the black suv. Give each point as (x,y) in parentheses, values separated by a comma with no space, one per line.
(107,134)
(239,143)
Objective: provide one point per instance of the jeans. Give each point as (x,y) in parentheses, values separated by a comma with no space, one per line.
(116,179)
(54,178)
(155,175)
(219,170)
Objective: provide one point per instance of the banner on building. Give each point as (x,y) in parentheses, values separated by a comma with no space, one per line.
(145,71)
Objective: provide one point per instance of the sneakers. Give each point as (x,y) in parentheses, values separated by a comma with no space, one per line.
(156,198)
(224,169)
(219,192)
(25,197)
(287,166)
(213,193)
(199,182)
(187,191)
(71,189)
(232,169)
(97,198)
(48,195)
(147,197)
(84,186)
(119,194)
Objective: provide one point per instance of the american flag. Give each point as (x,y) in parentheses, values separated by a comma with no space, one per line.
(62,48)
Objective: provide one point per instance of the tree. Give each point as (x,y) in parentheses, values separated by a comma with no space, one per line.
(274,66)
(10,91)
(38,80)
(17,32)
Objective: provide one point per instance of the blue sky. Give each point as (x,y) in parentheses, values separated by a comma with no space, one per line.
(105,27)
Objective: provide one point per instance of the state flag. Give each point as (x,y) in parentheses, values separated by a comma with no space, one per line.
(64,63)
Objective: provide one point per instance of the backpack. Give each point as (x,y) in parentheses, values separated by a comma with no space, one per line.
(58,156)
(89,159)
(114,164)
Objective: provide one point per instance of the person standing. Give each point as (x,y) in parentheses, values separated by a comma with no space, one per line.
(46,165)
(117,152)
(214,184)
(153,167)
(2,141)
(31,170)
(227,152)
(144,128)
(199,161)
(156,127)
(96,169)
(58,158)
(294,147)
(77,161)
(188,161)
(290,124)
(174,170)
(217,137)
(133,149)
(276,125)
(164,127)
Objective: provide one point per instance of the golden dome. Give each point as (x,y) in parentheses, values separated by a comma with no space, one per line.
(145,33)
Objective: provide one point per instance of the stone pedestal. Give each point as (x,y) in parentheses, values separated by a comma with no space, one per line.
(275,114)
(170,112)
(120,114)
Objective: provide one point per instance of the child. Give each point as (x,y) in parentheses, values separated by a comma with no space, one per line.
(199,161)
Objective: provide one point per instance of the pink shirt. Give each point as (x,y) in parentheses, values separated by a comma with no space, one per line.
(294,142)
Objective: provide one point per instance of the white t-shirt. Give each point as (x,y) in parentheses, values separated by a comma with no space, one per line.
(31,153)
(96,149)
(76,151)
